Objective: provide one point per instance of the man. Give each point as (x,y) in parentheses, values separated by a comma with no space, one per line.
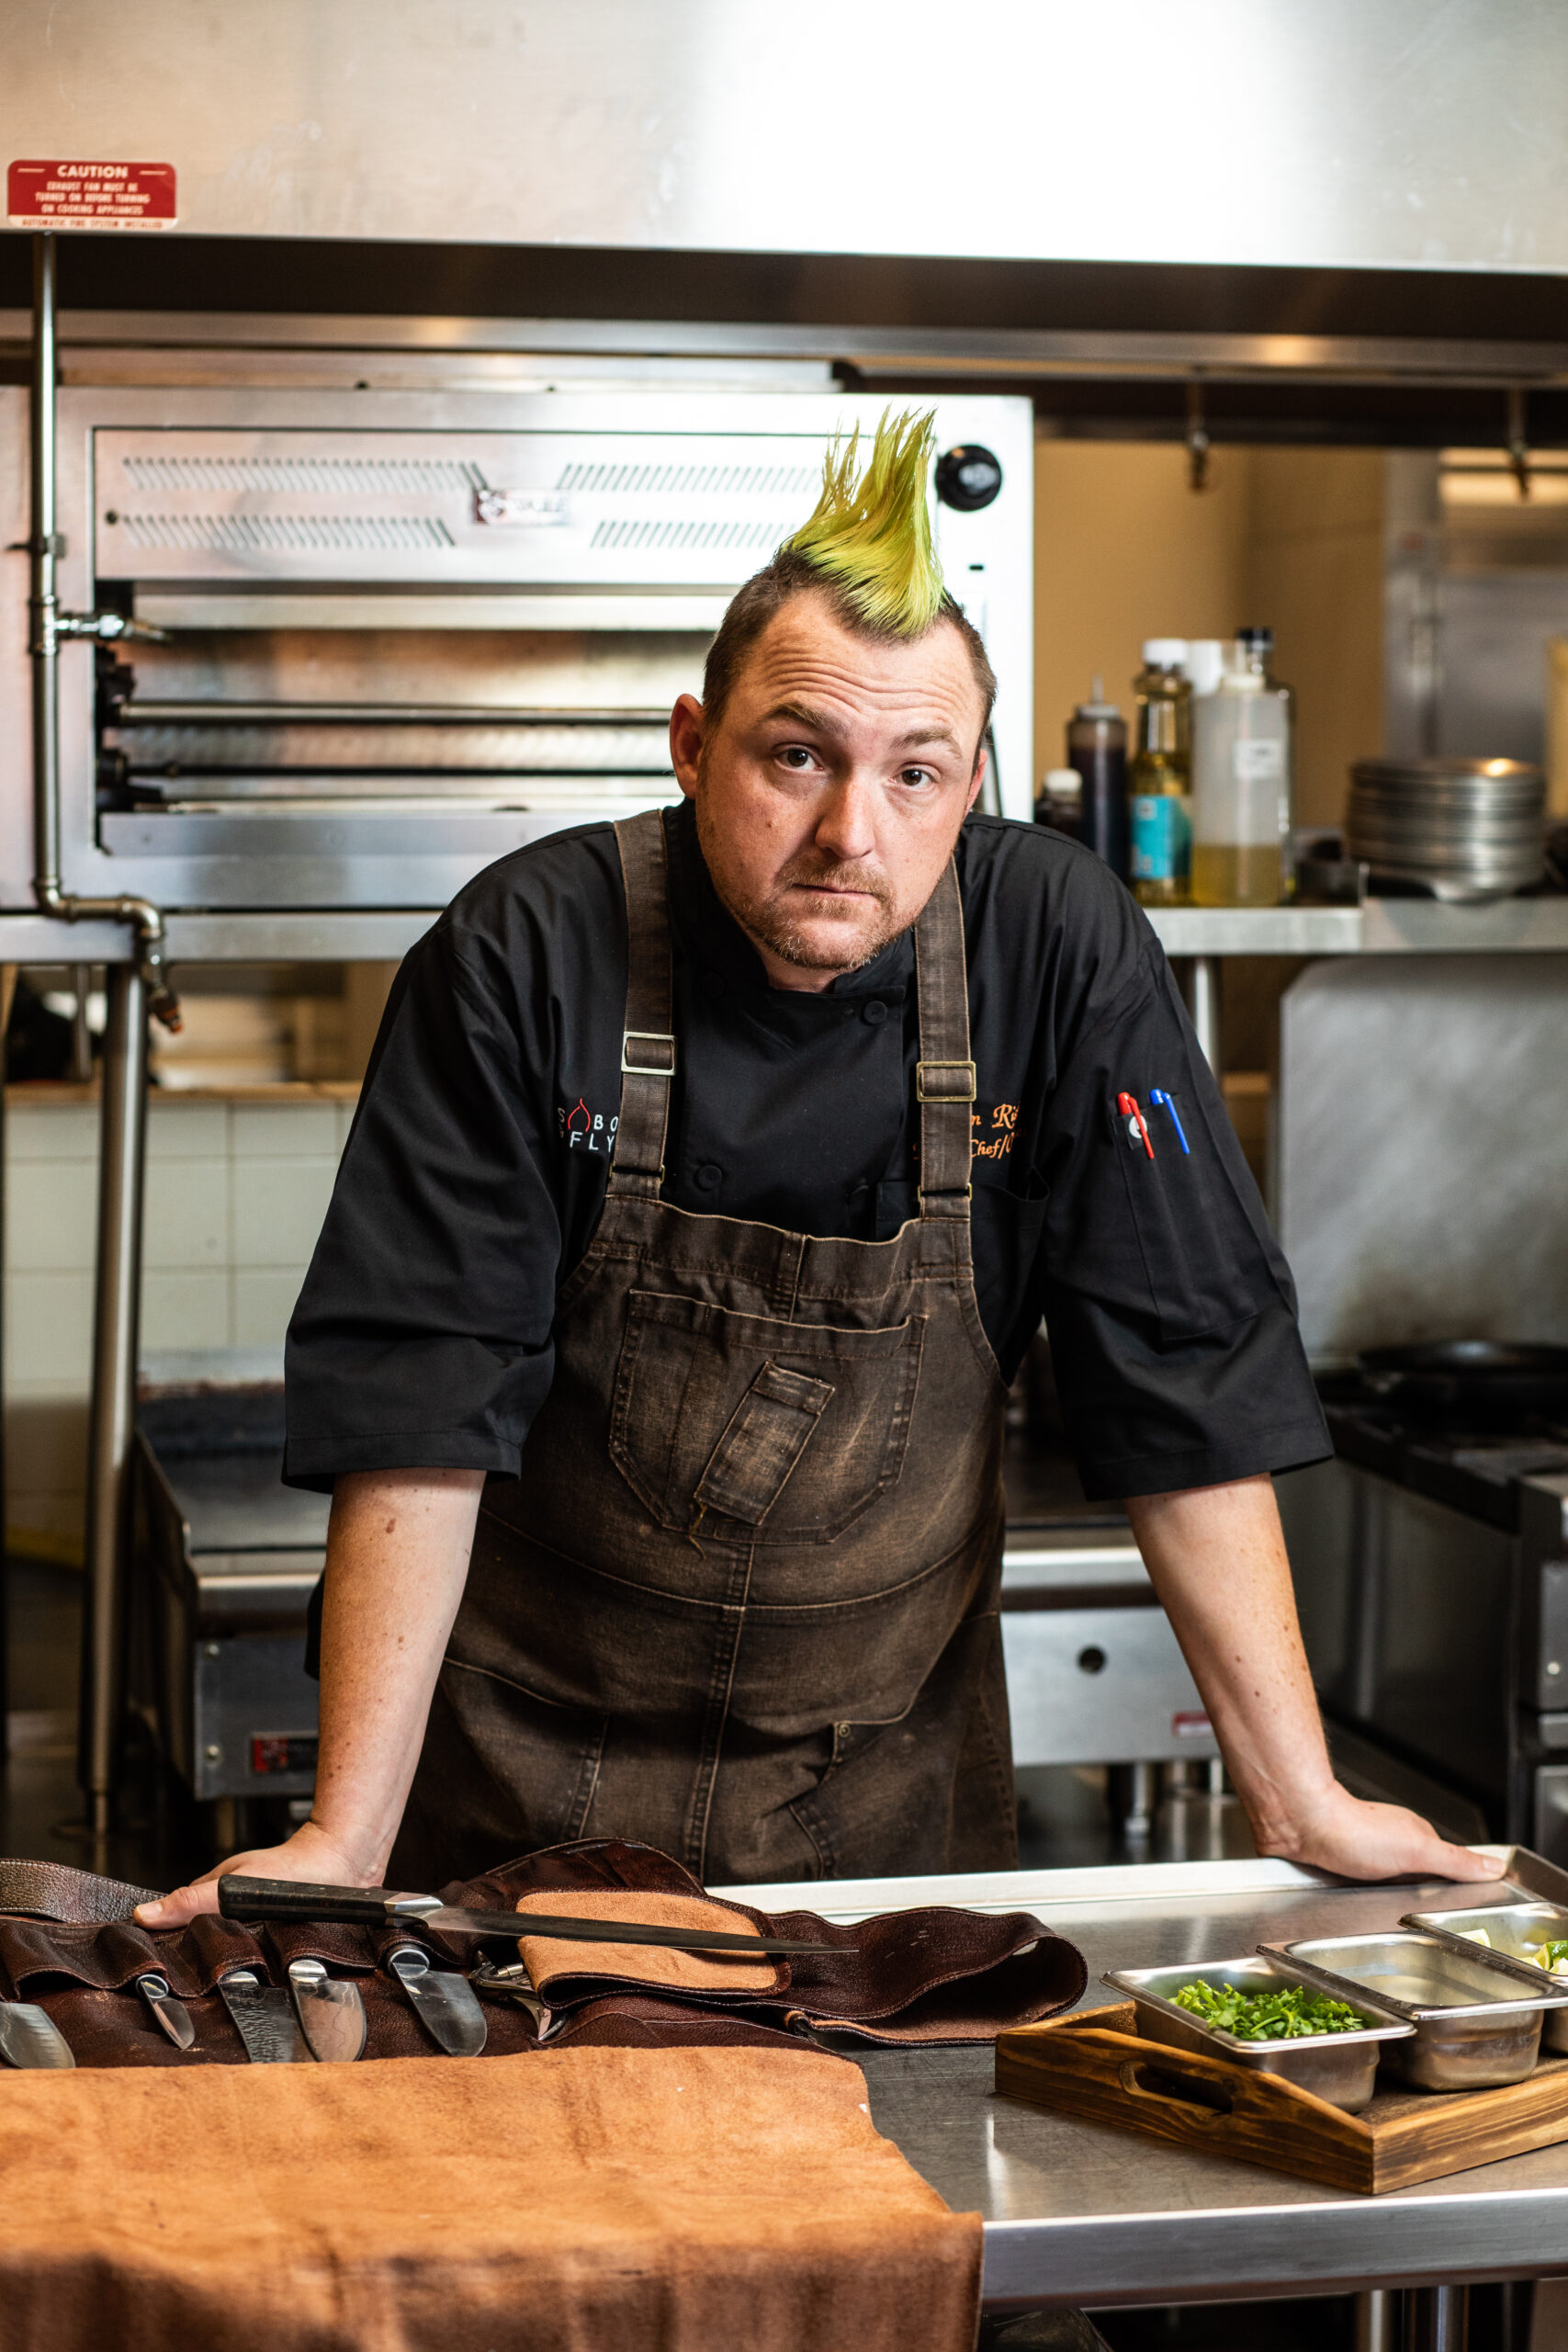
(656,1344)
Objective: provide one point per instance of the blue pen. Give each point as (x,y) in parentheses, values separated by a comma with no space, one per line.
(1159,1094)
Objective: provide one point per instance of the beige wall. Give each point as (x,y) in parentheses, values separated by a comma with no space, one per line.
(1292,537)
(1315,571)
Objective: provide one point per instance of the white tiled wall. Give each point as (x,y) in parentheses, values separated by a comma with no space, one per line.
(236,1193)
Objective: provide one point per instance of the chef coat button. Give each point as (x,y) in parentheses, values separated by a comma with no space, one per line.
(875,1013)
(707,1178)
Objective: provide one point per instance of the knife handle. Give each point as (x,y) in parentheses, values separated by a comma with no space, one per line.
(288,1898)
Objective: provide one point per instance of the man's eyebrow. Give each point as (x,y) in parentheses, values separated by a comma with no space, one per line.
(818,722)
(921,735)
(800,714)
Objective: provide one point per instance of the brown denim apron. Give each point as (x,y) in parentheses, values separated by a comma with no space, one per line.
(742,1602)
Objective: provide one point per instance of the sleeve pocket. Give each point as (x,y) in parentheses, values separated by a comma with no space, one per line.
(1204,1264)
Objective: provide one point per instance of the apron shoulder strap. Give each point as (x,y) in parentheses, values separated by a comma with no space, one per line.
(648,1043)
(944,1075)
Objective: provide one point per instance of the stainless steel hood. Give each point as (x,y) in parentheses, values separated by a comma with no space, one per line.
(1415,134)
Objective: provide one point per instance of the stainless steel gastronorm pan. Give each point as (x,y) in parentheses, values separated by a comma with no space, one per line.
(1339,2067)
(1476,2022)
(1514,1929)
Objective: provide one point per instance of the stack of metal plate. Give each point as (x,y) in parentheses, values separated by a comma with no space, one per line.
(1463,829)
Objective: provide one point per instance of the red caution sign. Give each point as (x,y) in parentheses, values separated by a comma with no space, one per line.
(89,196)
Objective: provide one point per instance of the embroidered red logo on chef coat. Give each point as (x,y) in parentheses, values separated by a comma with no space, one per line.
(587,1130)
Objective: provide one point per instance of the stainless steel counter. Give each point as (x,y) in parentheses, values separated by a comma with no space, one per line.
(1076,2213)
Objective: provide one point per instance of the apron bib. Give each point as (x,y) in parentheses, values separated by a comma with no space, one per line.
(742,1602)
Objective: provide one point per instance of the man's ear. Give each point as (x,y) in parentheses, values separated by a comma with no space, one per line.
(977,779)
(686,743)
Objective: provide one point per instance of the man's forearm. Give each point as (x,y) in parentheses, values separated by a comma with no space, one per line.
(1217,1558)
(397,1558)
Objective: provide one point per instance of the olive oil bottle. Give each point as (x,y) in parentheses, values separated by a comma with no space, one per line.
(1158,778)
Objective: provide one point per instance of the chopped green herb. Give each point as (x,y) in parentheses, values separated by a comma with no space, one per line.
(1283,2016)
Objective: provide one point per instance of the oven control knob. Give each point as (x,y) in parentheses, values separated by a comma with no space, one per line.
(969,478)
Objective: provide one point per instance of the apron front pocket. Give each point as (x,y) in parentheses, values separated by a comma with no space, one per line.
(730,1425)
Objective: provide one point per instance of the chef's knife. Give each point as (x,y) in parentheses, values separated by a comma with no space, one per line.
(29,2036)
(331,2013)
(445,2003)
(171,2013)
(378,1907)
(267,2023)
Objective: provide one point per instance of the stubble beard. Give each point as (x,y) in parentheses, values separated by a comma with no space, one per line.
(769,919)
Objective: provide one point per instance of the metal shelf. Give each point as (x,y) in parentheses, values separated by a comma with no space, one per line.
(1382,927)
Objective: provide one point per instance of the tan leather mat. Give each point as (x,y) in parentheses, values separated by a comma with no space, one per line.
(648,2201)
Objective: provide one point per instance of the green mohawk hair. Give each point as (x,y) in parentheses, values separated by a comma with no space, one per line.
(873,537)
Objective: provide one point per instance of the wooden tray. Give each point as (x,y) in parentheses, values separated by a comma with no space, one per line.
(1093,2066)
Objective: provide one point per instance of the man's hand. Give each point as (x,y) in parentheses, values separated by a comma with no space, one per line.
(309,1854)
(1360,1840)
(398,1551)
(1216,1556)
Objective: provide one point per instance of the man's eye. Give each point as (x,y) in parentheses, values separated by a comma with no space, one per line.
(794,755)
(915,775)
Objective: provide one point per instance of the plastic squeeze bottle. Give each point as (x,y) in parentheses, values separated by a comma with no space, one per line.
(1241,755)
(1096,747)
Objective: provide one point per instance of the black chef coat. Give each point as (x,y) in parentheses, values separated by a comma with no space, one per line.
(476,1168)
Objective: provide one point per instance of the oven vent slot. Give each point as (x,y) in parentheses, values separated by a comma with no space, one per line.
(689,534)
(287,533)
(361,477)
(710,480)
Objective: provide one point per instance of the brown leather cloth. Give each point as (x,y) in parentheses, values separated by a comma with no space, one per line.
(708,2200)
(928,1975)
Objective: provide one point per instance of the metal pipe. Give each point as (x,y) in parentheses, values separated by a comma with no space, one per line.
(1436,2319)
(115,1315)
(133,990)
(48,627)
(1203,1004)
(1377,2314)
(81,1035)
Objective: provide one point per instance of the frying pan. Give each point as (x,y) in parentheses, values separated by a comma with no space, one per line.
(1479,1375)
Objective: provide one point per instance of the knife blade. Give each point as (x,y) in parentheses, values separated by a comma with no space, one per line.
(331,2013)
(29,2036)
(445,2003)
(171,2012)
(265,2019)
(379,1907)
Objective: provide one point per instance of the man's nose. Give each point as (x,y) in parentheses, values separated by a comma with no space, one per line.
(845,824)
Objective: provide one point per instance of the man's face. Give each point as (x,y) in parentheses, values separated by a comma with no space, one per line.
(830,792)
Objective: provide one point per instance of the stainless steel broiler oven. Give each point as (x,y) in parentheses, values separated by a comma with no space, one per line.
(407,632)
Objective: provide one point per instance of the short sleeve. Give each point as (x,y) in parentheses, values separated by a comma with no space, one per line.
(421,1337)
(1169,1304)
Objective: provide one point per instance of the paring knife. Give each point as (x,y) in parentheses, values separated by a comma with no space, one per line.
(331,2013)
(265,2020)
(29,2036)
(445,2003)
(171,2012)
(378,1907)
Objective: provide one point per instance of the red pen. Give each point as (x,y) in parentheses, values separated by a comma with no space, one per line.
(1136,1131)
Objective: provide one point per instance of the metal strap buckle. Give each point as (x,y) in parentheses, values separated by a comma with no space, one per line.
(663,1067)
(940,1091)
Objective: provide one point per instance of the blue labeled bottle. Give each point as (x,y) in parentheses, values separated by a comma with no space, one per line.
(1160,778)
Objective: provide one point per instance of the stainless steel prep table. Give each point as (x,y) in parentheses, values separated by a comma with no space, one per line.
(1077,2213)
